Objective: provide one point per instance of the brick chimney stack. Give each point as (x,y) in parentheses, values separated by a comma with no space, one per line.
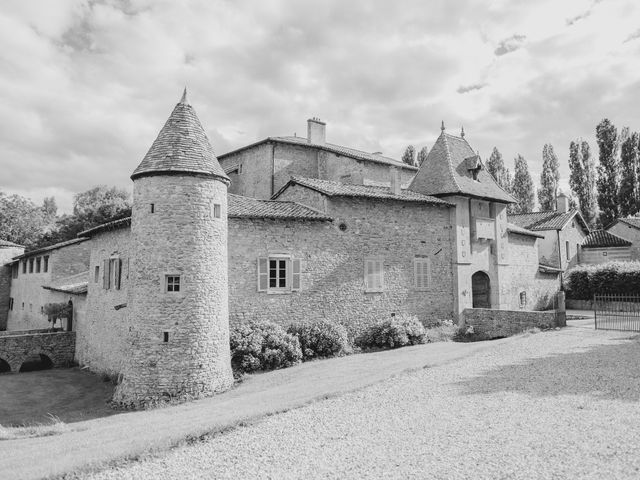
(395,181)
(316,131)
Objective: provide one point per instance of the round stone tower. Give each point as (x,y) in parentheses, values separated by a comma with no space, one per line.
(178,336)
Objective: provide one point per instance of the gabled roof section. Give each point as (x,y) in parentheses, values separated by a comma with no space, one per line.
(602,239)
(537,221)
(182,146)
(338,189)
(449,170)
(631,221)
(8,244)
(511,228)
(328,147)
(113,225)
(247,207)
(50,248)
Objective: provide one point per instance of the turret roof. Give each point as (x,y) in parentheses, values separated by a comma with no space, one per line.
(449,170)
(182,146)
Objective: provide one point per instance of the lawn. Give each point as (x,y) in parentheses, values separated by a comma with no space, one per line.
(70,394)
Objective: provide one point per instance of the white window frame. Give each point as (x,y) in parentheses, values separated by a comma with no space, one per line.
(421,273)
(293,270)
(374,274)
(180,283)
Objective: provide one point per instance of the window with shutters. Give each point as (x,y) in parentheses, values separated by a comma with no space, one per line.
(278,273)
(112,273)
(373,274)
(421,273)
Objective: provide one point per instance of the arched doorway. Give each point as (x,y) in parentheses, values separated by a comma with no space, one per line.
(481,288)
(4,366)
(36,362)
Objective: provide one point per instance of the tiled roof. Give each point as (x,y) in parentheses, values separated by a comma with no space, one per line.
(548,269)
(553,220)
(246,207)
(337,189)
(602,238)
(74,289)
(329,147)
(113,225)
(632,221)
(182,146)
(50,247)
(511,228)
(447,171)
(6,244)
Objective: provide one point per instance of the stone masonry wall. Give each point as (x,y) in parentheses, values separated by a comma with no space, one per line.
(504,323)
(630,233)
(58,346)
(6,254)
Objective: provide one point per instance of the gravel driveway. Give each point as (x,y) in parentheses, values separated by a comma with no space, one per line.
(560,404)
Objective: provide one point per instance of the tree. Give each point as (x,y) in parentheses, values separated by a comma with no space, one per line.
(522,187)
(582,179)
(629,192)
(422,155)
(409,155)
(501,174)
(608,171)
(21,221)
(549,178)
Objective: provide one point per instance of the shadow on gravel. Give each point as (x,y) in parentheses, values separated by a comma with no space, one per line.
(603,372)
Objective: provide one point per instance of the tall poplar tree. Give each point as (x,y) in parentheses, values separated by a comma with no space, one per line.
(582,179)
(549,178)
(495,166)
(422,155)
(629,192)
(608,171)
(522,187)
(409,155)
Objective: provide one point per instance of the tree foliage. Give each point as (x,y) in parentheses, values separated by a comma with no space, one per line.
(522,187)
(582,179)
(422,155)
(549,178)
(629,192)
(21,221)
(409,155)
(608,171)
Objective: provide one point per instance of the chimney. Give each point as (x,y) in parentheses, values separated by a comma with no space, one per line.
(395,180)
(563,203)
(316,131)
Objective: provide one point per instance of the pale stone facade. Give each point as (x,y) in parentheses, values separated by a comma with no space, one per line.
(8,250)
(629,229)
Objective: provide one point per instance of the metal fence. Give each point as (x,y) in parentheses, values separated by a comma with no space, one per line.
(617,312)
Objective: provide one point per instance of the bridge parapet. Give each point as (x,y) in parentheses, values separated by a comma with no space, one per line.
(58,347)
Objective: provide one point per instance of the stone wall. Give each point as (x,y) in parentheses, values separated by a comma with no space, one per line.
(595,256)
(503,323)
(630,233)
(58,346)
(6,254)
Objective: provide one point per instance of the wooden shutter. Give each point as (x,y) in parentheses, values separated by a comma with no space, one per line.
(118,273)
(105,274)
(373,275)
(295,274)
(263,274)
(417,277)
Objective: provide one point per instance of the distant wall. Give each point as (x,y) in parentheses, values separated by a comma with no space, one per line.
(59,347)
(630,233)
(504,323)
(595,256)
(6,254)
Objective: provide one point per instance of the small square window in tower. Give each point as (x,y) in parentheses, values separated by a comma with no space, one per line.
(172,283)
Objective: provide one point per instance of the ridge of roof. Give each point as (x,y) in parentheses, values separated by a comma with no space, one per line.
(512,228)
(548,220)
(631,221)
(8,244)
(181,147)
(603,238)
(50,247)
(332,188)
(449,161)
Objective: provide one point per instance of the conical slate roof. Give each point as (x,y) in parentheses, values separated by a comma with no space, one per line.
(182,146)
(449,169)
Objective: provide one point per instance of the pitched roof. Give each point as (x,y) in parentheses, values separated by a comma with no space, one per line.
(602,238)
(74,289)
(631,221)
(50,247)
(338,189)
(7,244)
(511,228)
(448,170)
(182,146)
(246,207)
(112,225)
(548,268)
(553,220)
(329,147)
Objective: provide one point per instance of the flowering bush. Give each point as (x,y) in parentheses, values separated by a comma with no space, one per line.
(322,338)
(263,346)
(393,333)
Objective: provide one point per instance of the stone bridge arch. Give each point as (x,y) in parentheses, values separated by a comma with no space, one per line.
(17,347)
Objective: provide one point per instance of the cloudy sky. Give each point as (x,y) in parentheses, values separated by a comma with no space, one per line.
(87,85)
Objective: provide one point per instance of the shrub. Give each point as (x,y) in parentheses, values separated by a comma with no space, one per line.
(393,333)
(441,331)
(263,346)
(582,282)
(322,338)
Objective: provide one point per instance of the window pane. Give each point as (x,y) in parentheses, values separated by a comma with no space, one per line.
(273,264)
(282,283)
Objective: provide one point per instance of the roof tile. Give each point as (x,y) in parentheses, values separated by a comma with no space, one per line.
(602,238)
(552,220)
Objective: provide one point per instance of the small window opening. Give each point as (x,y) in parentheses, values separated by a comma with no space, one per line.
(46,263)
(96,274)
(153,208)
(173,283)
(31,265)
(342,227)
(11,303)
(165,338)
(38,264)
(216,210)
(523,299)
(24,266)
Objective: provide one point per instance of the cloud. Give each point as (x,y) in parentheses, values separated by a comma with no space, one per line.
(510,44)
(633,36)
(470,88)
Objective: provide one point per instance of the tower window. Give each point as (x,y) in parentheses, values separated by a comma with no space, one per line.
(523,299)
(11,303)
(153,208)
(172,283)
(216,210)
(96,274)
(165,337)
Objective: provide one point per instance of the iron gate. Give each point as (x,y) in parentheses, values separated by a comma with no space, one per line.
(617,312)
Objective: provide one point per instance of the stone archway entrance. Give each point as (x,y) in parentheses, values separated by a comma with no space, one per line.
(481,288)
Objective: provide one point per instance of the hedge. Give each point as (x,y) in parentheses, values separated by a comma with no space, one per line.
(583,282)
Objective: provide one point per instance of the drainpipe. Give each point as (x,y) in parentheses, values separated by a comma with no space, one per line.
(560,262)
(273,169)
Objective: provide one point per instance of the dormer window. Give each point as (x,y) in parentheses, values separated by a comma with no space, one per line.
(474,166)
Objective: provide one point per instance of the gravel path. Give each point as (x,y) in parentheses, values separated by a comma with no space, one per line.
(561,404)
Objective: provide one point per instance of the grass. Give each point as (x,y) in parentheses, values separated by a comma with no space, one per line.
(54,427)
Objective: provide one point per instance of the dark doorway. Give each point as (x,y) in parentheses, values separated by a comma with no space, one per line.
(4,367)
(36,362)
(481,288)
(70,319)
